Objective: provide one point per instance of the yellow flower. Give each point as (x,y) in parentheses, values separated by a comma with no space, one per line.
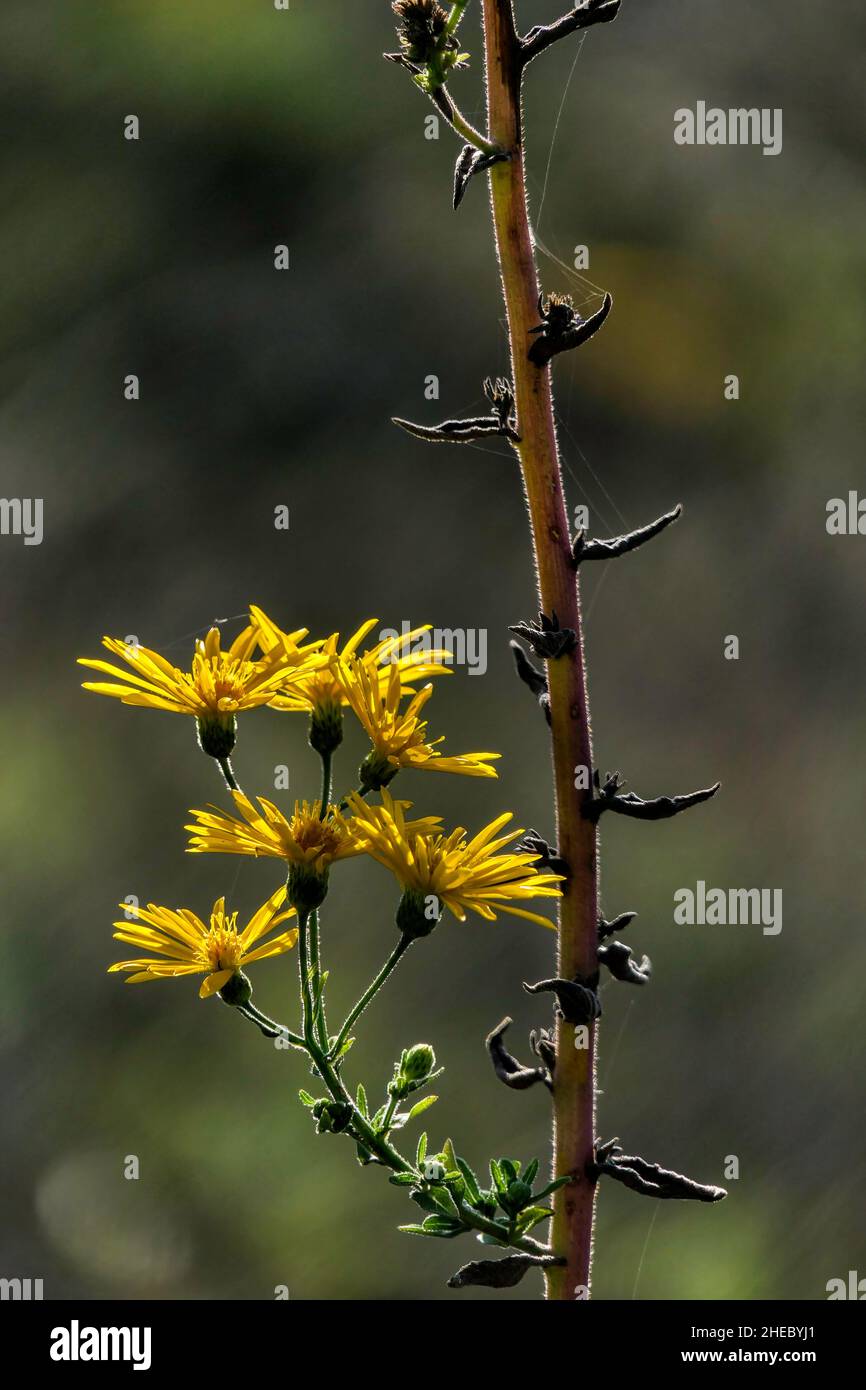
(307,841)
(399,737)
(304,838)
(218,951)
(220,683)
(324,687)
(464,875)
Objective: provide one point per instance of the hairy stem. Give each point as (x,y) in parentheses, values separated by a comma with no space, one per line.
(445,104)
(227,771)
(327,761)
(316,973)
(379,1144)
(305,980)
(558,590)
(395,957)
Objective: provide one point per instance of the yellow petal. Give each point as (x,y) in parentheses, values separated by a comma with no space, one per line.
(214,982)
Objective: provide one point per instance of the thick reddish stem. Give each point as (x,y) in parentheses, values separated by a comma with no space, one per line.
(574,1093)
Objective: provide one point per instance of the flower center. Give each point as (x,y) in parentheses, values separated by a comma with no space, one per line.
(221,947)
(314,834)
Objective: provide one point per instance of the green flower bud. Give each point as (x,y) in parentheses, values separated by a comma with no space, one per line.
(306,889)
(217,734)
(418,1062)
(417,913)
(326,728)
(237,990)
(331,1116)
(433,1170)
(517,1195)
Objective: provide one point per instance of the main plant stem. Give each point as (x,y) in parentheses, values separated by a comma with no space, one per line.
(558,589)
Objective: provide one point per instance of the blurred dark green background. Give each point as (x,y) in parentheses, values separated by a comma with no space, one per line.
(260,388)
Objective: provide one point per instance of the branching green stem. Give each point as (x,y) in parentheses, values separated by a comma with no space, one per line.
(390,964)
(268,1026)
(375,1140)
(447,107)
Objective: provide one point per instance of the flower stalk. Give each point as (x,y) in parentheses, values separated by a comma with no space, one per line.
(559,593)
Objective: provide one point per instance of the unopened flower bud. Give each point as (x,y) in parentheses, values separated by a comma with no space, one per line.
(418,1062)
(433,1170)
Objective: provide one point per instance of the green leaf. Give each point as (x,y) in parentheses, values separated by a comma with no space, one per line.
(449,1157)
(364,1155)
(306,1099)
(446,1200)
(361,1099)
(551,1187)
(349,1043)
(499,1181)
(510,1169)
(421,1151)
(421,1106)
(473,1191)
(442,1226)
(403,1179)
(427,1202)
(436,1226)
(319,988)
(531,1216)
(531,1173)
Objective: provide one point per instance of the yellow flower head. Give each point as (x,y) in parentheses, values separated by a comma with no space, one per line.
(304,838)
(464,875)
(220,683)
(399,737)
(189,947)
(323,688)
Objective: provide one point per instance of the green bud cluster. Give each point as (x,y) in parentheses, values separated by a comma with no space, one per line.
(331,1116)
(414,1069)
(445,1187)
